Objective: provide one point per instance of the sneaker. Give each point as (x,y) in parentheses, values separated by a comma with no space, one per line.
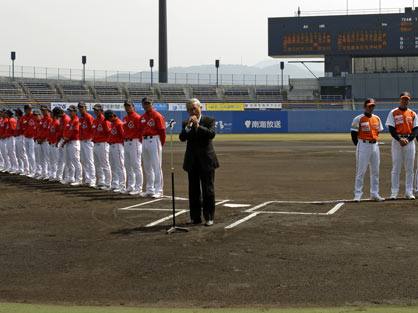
(357,199)
(144,194)
(98,186)
(117,190)
(393,196)
(157,196)
(31,175)
(77,183)
(410,196)
(134,193)
(125,191)
(103,187)
(91,184)
(209,223)
(377,197)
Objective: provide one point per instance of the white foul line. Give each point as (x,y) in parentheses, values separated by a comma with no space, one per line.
(140,204)
(335,209)
(222,202)
(242,220)
(166,218)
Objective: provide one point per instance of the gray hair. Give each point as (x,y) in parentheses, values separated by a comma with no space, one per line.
(193,101)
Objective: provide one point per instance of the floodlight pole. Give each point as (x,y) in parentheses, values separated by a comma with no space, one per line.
(84,61)
(163,59)
(13,57)
(217,71)
(151,65)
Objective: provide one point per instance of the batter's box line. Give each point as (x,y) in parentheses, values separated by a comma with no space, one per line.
(254,214)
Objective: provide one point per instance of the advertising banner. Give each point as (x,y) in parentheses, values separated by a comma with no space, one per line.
(158,106)
(182,107)
(225,106)
(262,106)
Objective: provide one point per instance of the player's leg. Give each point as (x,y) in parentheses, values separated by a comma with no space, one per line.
(363,153)
(409,160)
(147,156)
(157,167)
(374,172)
(396,167)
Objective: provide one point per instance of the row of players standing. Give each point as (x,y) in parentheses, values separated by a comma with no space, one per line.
(61,147)
(402,123)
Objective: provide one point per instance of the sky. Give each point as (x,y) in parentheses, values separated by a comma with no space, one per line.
(123,34)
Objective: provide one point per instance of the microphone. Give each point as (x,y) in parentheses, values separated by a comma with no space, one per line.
(190,124)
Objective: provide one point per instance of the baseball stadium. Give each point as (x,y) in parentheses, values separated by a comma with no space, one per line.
(289,235)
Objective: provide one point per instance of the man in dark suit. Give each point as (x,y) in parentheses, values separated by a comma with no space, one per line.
(200,162)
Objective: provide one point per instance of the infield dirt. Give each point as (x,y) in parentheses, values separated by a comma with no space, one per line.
(72,245)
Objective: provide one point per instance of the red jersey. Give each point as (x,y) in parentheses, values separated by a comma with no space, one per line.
(11,128)
(116,132)
(153,124)
(101,129)
(45,126)
(72,129)
(29,125)
(38,129)
(132,126)
(65,119)
(3,123)
(53,131)
(19,126)
(86,123)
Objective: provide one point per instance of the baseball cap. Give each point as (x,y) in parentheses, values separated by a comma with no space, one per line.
(405,94)
(36,112)
(44,107)
(57,111)
(98,106)
(27,106)
(9,112)
(72,108)
(82,104)
(18,111)
(2,110)
(369,102)
(127,102)
(147,100)
(108,114)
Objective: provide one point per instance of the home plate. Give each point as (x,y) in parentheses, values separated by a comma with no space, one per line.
(236,205)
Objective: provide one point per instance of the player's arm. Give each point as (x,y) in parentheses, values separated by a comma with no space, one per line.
(354,137)
(393,133)
(161,129)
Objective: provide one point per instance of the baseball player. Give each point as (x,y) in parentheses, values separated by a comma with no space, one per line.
(133,150)
(86,145)
(3,146)
(365,135)
(101,130)
(37,146)
(71,146)
(153,139)
(23,164)
(10,141)
(28,126)
(116,153)
(64,119)
(52,139)
(403,126)
(42,140)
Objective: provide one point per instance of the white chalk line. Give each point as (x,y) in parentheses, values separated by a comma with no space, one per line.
(254,214)
(140,204)
(166,218)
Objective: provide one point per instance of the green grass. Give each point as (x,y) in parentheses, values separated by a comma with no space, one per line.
(28,308)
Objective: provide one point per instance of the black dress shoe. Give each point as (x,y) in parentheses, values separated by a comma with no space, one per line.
(193,222)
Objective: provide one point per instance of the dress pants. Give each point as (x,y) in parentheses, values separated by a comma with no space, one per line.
(206,179)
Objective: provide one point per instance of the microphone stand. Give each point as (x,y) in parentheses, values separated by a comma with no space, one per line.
(173,228)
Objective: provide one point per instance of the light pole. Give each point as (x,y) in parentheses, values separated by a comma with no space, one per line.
(282,68)
(162,30)
(13,57)
(217,71)
(151,65)
(84,61)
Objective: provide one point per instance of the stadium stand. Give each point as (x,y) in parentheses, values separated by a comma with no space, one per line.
(75,93)
(236,94)
(205,93)
(41,91)
(268,95)
(106,93)
(136,94)
(10,92)
(172,94)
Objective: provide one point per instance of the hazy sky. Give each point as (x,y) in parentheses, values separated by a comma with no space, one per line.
(123,34)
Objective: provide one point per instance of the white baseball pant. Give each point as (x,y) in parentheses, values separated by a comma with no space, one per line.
(73,164)
(53,160)
(117,161)
(101,160)
(11,152)
(133,150)
(5,157)
(405,155)
(61,161)
(152,155)
(30,153)
(367,155)
(44,158)
(22,158)
(38,159)
(87,160)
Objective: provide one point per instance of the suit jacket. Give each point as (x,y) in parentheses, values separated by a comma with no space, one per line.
(199,152)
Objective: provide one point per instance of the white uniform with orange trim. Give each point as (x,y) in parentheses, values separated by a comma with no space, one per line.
(404,122)
(367,152)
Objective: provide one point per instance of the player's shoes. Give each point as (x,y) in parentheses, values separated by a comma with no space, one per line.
(144,194)
(31,175)
(410,196)
(117,190)
(357,199)
(156,195)
(377,197)
(64,182)
(393,196)
(77,183)
(134,193)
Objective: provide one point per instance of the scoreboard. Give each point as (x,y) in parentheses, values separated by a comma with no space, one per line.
(354,35)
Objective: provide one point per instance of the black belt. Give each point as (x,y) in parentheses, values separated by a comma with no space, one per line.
(128,139)
(147,137)
(403,136)
(369,141)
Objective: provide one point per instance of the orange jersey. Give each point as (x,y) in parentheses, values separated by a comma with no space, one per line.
(63,121)
(53,131)
(86,123)
(71,129)
(11,128)
(368,128)
(44,126)
(3,124)
(403,121)
(132,126)
(19,126)
(153,124)
(101,129)
(116,132)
